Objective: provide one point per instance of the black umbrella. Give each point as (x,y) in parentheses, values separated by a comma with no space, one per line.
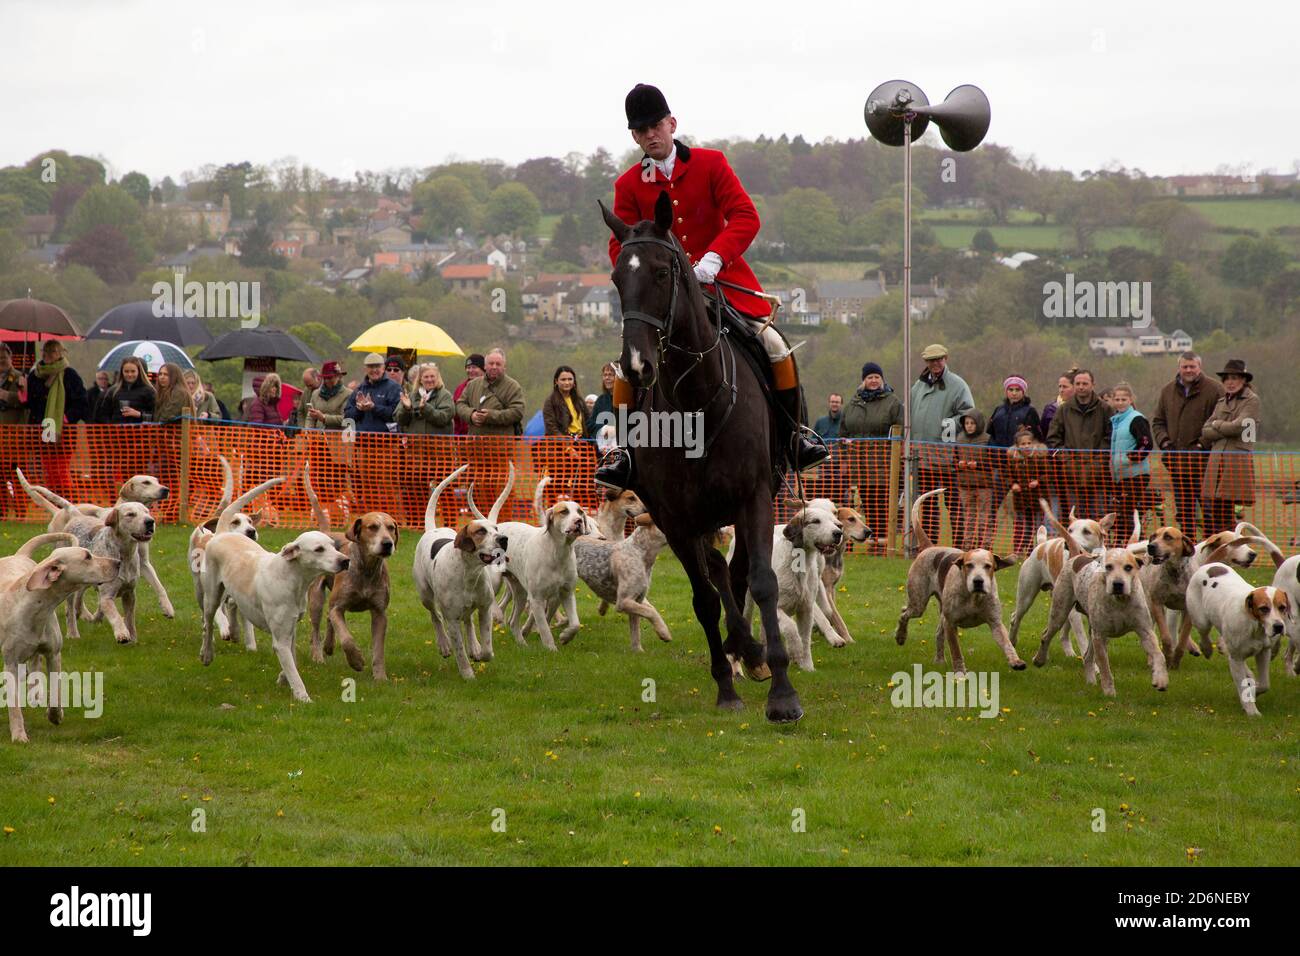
(136,320)
(261,342)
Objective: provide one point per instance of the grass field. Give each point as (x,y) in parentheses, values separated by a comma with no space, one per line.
(563,749)
(1259,214)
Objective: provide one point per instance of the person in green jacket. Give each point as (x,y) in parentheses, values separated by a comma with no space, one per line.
(494,403)
(872,412)
(426,410)
(331,457)
(939,397)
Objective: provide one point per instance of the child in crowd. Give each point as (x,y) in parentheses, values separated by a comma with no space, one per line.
(973,461)
(1028,470)
(1130,464)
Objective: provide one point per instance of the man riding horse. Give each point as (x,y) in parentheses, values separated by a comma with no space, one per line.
(714,220)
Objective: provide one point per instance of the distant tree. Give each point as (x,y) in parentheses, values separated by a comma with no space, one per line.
(106,250)
(1088,207)
(234,180)
(11,250)
(1181,230)
(34,195)
(473,175)
(446,204)
(169,190)
(983,242)
(1253,263)
(554,185)
(66,168)
(11,212)
(137,184)
(255,249)
(63,201)
(110,206)
(810,223)
(513,209)
(566,240)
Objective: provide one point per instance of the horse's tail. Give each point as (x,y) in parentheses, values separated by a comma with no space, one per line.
(917,529)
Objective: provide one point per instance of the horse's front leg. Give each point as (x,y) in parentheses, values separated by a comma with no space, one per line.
(740,644)
(782,701)
(707,606)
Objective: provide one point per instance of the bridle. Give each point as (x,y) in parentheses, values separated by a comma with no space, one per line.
(664,329)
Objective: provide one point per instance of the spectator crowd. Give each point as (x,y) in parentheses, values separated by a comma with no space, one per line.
(1086,451)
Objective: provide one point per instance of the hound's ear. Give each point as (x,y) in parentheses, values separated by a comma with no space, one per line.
(396,533)
(1250,606)
(354,531)
(1108,521)
(1003,561)
(663,211)
(464,539)
(617,226)
(291,551)
(796,502)
(793,531)
(111,520)
(44,575)
(1189,547)
(256,518)
(211,523)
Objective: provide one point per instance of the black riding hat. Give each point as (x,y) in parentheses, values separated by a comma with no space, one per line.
(645,106)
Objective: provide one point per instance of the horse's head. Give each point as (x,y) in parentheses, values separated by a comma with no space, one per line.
(654,281)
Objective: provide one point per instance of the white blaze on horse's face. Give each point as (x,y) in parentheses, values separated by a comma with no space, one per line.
(634,263)
(638,365)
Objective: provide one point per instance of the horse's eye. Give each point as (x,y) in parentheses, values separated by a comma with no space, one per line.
(662,273)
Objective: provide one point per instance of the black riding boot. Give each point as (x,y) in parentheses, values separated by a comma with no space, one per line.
(615,470)
(810,450)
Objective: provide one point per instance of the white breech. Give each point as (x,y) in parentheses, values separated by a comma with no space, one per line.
(773,344)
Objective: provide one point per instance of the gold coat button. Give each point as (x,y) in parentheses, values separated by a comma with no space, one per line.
(674,202)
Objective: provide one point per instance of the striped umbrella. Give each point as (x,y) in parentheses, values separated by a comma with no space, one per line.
(153,354)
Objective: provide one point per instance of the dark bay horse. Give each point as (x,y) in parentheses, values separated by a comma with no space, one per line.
(680,363)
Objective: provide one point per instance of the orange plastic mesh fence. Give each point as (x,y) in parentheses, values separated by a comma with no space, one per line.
(990,497)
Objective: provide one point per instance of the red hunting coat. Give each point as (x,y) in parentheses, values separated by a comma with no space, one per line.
(711,213)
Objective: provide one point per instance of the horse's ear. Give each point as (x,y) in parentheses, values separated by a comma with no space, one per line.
(663,211)
(617,226)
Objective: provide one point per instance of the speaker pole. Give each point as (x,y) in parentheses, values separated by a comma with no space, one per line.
(908,485)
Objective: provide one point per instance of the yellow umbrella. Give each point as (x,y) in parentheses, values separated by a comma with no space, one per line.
(409,335)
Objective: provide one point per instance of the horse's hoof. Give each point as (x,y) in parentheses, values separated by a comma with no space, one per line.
(784,710)
(759,672)
(730,702)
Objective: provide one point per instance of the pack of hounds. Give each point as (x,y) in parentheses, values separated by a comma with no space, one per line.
(525,577)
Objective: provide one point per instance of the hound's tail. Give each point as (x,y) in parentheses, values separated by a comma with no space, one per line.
(1070,544)
(1136,536)
(1274,552)
(501,498)
(43,496)
(921,536)
(537,496)
(322,518)
(61,539)
(228,513)
(431,509)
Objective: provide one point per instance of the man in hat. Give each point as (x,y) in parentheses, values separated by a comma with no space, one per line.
(714,220)
(939,398)
(332,464)
(310,382)
(372,406)
(475,367)
(1231,435)
(1184,406)
(395,369)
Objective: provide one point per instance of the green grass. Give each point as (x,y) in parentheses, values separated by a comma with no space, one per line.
(1260,214)
(587,772)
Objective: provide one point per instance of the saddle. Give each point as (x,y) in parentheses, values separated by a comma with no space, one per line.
(750,347)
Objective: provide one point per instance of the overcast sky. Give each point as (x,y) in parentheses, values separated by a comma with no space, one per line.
(164,87)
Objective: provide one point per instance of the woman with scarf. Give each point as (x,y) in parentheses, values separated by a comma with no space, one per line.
(871,413)
(56,397)
(424,412)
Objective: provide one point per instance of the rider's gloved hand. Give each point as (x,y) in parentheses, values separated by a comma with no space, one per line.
(707,269)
